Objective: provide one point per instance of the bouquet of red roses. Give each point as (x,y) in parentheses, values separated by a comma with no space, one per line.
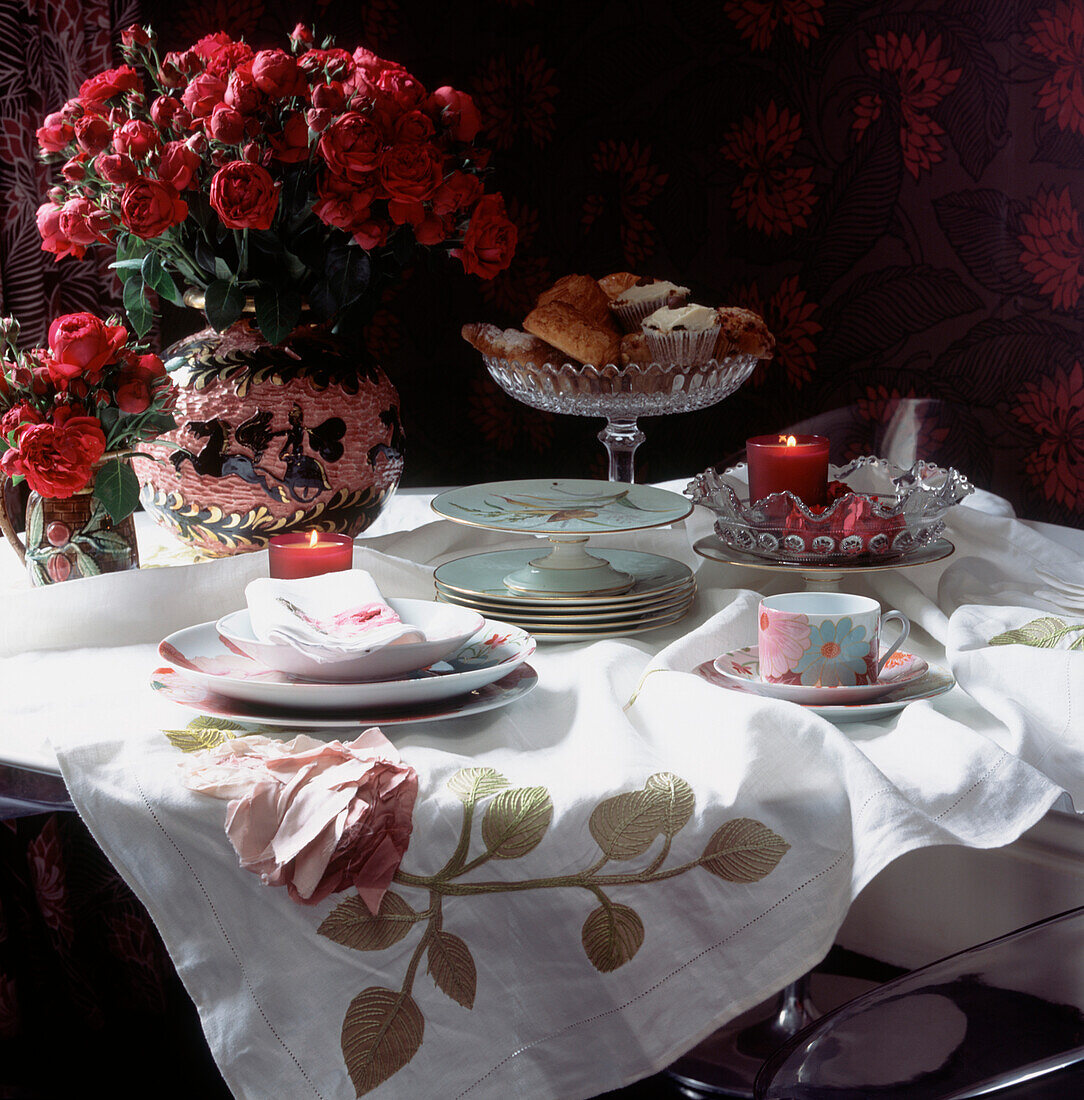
(90,394)
(281,177)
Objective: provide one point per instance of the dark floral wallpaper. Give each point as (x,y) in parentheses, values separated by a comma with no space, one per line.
(895,185)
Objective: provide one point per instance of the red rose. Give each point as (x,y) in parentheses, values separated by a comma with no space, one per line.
(136,139)
(226,125)
(372,234)
(94,92)
(457,113)
(276,74)
(400,87)
(54,133)
(82,222)
(302,35)
(81,343)
(116,169)
(164,110)
(432,230)
(133,395)
(414,126)
(490,240)
(135,35)
(329,96)
(19,416)
(318,119)
(75,170)
(53,238)
(203,94)
(149,207)
(57,459)
(410,174)
(334,63)
(177,165)
(351,146)
(244,196)
(241,91)
(292,145)
(460,191)
(93,133)
(345,208)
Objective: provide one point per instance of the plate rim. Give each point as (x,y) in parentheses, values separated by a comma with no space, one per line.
(860,566)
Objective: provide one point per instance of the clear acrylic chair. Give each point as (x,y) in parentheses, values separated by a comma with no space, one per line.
(1003,1020)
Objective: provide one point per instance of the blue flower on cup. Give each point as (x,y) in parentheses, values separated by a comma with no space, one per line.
(836,655)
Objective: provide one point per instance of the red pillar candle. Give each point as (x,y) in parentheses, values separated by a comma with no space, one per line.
(308,554)
(798,463)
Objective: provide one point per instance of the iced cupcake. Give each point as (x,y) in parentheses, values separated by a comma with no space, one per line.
(644,297)
(685,335)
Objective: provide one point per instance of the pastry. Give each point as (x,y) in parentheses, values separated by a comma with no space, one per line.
(643,298)
(742,330)
(634,351)
(569,330)
(613,286)
(583,294)
(686,335)
(510,344)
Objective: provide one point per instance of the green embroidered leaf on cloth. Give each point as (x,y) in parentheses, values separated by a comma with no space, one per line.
(625,826)
(382,1031)
(204,733)
(1042,633)
(674,797)
(515,821)
(611,935)
(452,968)
(743,850)
(471,784)
(351,924)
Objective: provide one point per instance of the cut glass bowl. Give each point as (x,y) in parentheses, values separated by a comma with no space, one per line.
(889,513)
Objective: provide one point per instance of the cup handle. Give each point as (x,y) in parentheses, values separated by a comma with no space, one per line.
(905,629)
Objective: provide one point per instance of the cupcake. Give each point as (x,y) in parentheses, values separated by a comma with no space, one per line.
(685,335)
(644,297)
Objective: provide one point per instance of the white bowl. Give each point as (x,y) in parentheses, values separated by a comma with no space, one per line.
(446,629)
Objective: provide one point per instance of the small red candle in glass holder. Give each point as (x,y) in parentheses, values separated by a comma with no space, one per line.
(309,554)
(798,463)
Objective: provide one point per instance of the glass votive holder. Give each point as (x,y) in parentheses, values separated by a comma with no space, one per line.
(309,554)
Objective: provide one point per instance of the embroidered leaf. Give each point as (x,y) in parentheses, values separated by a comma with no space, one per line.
(471,784)
(1041,633)
(612,934)
(743,850)
(675,799)
(382,1031)
(204,733)
(515,821)
(452,967)
(624,826)
(351,924)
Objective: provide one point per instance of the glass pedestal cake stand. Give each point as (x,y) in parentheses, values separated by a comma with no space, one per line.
(620,394)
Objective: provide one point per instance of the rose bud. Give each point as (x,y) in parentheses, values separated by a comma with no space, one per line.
(117,117)
(197,143)
(93,134)
(54,133)
(276,74)
(135,35)
(164,110)
(251,153)
(292,145)
(318,120)
(170,74)
(226,125)
(457,113)
(136,138)
(302,35)
(81,221)
(116,168)
(72,110)
(329,95)
(58,195)
(241,91)
(75,170)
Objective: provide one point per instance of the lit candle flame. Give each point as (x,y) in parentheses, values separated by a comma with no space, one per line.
(789,440)
(313,536)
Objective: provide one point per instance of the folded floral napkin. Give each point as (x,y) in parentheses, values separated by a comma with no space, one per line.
(327,618)
(313,816)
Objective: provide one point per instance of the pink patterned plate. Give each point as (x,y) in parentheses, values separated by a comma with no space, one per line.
(171,685)
(741,668)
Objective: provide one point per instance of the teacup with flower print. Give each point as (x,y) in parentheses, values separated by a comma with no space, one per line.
(824,639)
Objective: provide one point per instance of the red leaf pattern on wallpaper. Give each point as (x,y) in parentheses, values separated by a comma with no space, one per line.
(1053,408)
(1057,37)
(758,20)
(1053,246)
(517,99)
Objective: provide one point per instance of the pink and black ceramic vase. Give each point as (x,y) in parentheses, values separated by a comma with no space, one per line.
(272,438)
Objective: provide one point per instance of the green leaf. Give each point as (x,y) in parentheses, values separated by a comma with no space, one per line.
(382,1031)
(1041,633)
(611,936)
(136,305)
(159,279)
(277,313)
(743,850)
(223,303)
(674,798)
(35,523)
(222,269)
(471,784)
(515,821)
(351,924)
(117,487)
(625,826)
(452,968)
(347,274)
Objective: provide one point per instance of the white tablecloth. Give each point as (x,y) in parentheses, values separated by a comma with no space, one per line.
(682,851)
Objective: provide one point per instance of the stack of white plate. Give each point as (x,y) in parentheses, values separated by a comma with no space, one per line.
(662,593)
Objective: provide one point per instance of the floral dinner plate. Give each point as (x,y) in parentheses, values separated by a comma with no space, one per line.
(741,667)
(199,656)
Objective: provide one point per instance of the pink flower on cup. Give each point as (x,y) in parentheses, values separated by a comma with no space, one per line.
(783,637)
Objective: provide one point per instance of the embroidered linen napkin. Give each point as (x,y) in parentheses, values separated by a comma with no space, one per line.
(328,618)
